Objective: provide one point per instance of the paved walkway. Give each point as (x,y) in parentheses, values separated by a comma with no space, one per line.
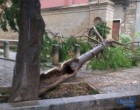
(12,55)
(109,81)
(6,69)
(121,80)
(6,72)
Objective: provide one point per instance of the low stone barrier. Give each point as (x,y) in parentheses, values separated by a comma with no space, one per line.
(128,100)
(6,44)
(11,42)
(56,53)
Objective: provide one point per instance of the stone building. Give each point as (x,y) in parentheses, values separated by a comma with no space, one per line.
(71,20)
(122,16)
(71,17)
(126,17)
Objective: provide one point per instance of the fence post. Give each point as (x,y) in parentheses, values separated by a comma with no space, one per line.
(77,50)
(55,54)
(6,49)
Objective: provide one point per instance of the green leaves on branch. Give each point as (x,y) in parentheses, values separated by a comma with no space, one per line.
(2,1)
(103,29)
(113,58)
(10,15)
(66,47)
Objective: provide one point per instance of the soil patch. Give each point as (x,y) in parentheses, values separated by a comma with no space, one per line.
(63,90)
(70,90)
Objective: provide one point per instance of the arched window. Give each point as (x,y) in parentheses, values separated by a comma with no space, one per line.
(97,20)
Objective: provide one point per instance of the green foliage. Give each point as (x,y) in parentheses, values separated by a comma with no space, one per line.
(137,49)
(136,56)
(2,1)
(124,39)
(136,34)
(112,58)
(66,48)
(84,47)
(46,47)
(10,15)
(103,29)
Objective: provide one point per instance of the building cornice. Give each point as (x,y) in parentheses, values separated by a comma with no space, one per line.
(79,5)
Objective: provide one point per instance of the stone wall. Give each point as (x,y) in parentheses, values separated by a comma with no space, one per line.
(8,35)
(138,21)
(112,101)
(127,15)
(70,21)
(130,18)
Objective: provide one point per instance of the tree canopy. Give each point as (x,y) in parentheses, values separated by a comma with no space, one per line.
(9,15)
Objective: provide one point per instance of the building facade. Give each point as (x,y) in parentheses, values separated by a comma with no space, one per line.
(59,3)
(71,17)
(122,16)
(126,17)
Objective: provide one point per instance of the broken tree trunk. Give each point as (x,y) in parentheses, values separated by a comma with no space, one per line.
(55,76)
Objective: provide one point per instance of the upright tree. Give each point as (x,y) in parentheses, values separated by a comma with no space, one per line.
(27,69)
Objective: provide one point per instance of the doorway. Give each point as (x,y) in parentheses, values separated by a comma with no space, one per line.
(116,29)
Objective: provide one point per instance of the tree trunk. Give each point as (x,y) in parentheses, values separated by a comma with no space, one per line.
(53,77)
(27,69)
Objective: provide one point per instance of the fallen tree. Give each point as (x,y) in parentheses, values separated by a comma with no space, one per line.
(68,69)
(55,76)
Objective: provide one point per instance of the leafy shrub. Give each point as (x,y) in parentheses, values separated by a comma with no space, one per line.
(124,39)
(103,29)
(127,39)
(112,58)
(136,56)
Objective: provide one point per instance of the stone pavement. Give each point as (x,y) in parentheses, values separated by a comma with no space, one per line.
(6,69)
(109,81)
(112,81)
(6,72)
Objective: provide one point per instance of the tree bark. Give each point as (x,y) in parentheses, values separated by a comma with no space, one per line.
(27,69)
